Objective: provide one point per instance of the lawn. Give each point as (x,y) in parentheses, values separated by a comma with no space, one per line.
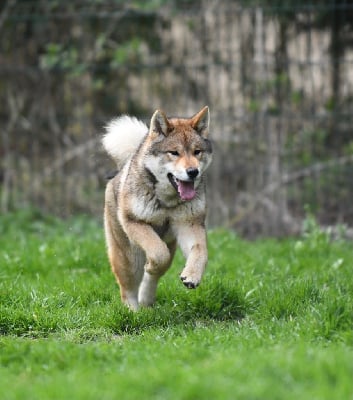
(272,319)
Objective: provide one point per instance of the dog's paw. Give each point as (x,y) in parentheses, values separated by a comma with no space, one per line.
(188,283)
(191,278)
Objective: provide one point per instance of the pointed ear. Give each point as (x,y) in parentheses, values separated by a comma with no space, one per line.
(159,124)
(201,121)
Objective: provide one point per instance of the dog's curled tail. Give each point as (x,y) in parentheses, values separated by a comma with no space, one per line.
(122,138)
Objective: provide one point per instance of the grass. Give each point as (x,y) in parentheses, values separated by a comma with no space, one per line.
(271,320)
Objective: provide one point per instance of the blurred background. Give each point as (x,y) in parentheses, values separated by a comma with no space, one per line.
(277,76)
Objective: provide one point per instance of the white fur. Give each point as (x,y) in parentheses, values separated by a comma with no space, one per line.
(147,289)
(122,138)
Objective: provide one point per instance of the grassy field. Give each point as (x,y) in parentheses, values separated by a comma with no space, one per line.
(271,320)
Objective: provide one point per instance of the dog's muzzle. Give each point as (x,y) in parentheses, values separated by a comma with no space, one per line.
(185,189)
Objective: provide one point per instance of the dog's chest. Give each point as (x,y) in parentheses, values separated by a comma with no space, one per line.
(153,214)
(164,230)
(148,210)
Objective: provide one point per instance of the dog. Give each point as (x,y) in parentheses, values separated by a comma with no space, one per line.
(156,201)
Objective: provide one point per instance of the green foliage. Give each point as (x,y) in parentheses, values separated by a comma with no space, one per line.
(127,52)
(66,59)
(311,145)
(348,149)
(149,5)
(272,319)
(314,235)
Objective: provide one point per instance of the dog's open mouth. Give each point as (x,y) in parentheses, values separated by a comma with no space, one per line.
(185,189)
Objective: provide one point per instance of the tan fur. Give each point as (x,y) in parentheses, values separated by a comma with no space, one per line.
(154,203)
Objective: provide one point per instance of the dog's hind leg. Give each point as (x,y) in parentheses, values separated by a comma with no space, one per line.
(148,286)
(148,289)
(126,262)
(127,275)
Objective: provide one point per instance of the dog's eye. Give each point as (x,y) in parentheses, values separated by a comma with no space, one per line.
(173,153)
(197,152)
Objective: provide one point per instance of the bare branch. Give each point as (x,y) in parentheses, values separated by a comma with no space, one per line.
(286,179)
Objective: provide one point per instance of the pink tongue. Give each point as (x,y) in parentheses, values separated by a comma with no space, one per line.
(186,190)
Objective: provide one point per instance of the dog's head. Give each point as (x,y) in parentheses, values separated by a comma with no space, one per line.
(179,151)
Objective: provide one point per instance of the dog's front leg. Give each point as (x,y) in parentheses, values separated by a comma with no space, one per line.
(158,258)
(193,243)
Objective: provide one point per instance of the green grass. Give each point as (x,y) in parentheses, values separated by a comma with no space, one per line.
(271,320)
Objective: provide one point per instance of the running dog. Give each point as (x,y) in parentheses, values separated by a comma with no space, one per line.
(156,201)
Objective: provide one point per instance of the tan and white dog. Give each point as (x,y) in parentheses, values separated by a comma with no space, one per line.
(156,201)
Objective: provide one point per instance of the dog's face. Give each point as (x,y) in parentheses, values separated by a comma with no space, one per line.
(180,152)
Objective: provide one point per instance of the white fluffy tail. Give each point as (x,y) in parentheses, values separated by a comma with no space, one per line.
(122,138)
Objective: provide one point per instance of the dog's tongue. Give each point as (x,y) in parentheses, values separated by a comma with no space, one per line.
(186,190)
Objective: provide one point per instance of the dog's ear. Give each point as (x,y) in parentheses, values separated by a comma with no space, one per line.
(201,121)
(159,124)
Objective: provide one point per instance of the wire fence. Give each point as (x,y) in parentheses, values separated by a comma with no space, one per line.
(278,80)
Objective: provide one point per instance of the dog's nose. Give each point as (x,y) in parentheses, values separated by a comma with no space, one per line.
(192,172)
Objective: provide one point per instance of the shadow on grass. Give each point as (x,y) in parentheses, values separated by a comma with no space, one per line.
(81,319)
(212,302)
